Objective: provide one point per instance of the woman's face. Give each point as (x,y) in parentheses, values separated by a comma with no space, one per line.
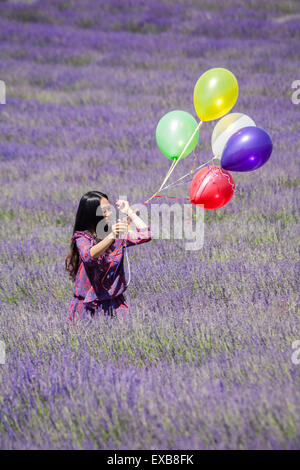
(106,209)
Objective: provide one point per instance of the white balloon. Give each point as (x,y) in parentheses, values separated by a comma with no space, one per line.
(225,128)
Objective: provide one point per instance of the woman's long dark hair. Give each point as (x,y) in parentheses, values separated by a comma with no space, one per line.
(86,219)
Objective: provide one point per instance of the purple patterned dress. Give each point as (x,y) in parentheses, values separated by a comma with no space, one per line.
(100,282)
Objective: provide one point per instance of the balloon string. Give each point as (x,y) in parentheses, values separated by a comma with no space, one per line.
(194,162)
(168,173)
(129,273)
(114,254)
(173,185)
(175,197)
(215,171)
(175,163)
(182,153)
(193,213)
(166,178)
(188,174)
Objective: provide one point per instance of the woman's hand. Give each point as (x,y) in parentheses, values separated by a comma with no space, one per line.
(119,228)
(123,206)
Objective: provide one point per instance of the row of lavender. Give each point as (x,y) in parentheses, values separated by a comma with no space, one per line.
(205,361)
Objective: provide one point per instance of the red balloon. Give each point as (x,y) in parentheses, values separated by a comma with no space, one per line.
(213,187)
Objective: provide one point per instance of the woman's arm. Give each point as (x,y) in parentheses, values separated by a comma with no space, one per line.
(138,222)
(126,209)
(102,246)
(98,249)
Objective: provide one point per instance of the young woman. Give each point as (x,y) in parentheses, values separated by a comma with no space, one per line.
(96,265)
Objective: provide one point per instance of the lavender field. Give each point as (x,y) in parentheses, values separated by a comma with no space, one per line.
(205,361)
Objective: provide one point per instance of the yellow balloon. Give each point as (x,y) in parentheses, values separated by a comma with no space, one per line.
(215,93)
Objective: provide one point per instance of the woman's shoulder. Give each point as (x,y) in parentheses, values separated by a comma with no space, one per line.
(82,233)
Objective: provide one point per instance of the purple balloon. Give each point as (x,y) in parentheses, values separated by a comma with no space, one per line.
(247,149)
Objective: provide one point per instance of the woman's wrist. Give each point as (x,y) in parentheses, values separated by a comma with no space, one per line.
(111,236)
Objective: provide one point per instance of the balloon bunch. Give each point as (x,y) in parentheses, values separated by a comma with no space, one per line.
(236,141)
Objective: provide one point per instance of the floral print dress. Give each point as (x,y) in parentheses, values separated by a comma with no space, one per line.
(100,282)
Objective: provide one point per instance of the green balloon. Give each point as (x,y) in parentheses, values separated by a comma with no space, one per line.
(173,132)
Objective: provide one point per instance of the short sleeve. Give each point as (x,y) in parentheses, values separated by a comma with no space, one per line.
(83,246)
(137,237)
